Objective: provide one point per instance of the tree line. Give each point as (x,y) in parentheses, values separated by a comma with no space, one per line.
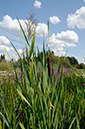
(67,62)
(2,57)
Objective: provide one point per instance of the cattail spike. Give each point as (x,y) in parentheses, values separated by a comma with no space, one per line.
(49,66)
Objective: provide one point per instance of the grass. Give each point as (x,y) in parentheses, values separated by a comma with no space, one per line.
(35,101)
(5,66)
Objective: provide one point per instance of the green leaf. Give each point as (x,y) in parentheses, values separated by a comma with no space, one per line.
(77,121)
(15,49)
(7,53)
(22,30)
(39,55)
(23,98)
(31,72)
(22,126)
(5,104)
(72,123)
(4,119)
(48,28)
(0,124)
(32,46)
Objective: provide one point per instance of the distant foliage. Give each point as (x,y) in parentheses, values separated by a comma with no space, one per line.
(5,66)
(81,66)
(73,60)
(2,57)
(66,62)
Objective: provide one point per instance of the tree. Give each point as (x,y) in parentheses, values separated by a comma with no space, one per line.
(82,66)
(73,60)
(52,52)
(2,57)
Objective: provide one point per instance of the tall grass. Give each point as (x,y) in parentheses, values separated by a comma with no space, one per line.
(41,102)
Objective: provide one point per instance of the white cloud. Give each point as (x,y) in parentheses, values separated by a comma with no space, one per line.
(20,51)
(4,40)
(59,51)
(13,55)
(67,36)
(53,41)
(11,24)
(7,48)
(37,4)
(54,19)
(77,19)
(61,40)
(84,0)
(42,27)
(70,45)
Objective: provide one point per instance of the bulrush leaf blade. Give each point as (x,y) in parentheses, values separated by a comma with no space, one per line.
(4,119)
(22,126)
(48,28)
(5,104)
(15,49)
(77,121)
(31,72)
(32,46)
(39,55)
(7,53)
(22,31)
(23,97)
(72,123)
(0,124)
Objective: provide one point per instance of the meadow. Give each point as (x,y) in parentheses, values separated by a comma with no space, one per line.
(31,99)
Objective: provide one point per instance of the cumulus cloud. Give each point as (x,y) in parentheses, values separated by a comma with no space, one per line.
(54,19)
(59,51)
(11,24)
(7,48)
(20,51)
(61,40)
(4,40)
(53,41)
(77,19)
(67,36)
(70,45)
(63,37)
(37,4)
(42,27)
(13,56)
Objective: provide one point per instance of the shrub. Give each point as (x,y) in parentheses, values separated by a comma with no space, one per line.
(73,61)
(82,66)
(4,66)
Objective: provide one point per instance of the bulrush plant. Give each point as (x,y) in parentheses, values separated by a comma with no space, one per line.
(35,102)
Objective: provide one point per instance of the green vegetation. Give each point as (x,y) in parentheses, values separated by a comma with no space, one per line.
(30,99)
(68,62)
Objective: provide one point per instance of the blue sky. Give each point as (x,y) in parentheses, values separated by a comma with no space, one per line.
(66,20)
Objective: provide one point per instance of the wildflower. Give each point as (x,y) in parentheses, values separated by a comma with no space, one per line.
(84,84)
